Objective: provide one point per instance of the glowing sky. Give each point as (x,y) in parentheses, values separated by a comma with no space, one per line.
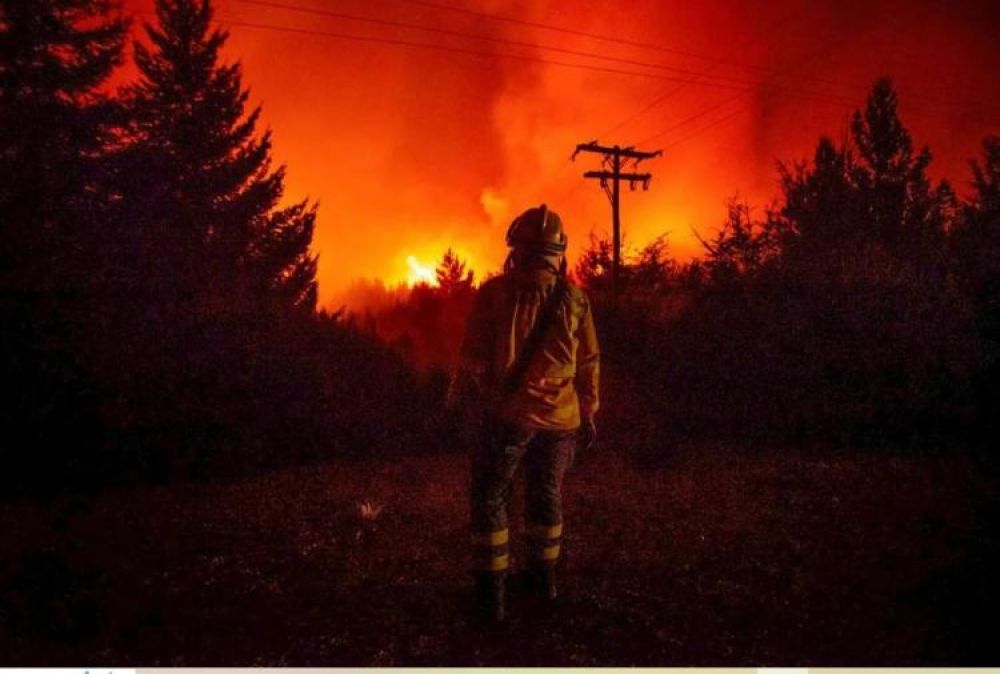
(411,150)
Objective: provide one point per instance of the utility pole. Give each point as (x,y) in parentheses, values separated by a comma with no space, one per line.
(614,159)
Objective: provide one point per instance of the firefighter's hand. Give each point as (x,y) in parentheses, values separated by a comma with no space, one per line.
(587,435)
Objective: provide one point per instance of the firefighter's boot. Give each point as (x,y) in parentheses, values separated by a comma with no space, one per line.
(542,581)
(491,597)
(544,545)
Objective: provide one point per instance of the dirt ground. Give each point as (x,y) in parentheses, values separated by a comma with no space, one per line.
(716,557)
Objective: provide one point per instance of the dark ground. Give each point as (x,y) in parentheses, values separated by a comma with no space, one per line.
(720,557)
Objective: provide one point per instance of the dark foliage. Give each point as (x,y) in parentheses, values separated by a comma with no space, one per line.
(198,186)
(215,284)
(158,301)
(426,323)
(975,254)
(54,57)
(846,315)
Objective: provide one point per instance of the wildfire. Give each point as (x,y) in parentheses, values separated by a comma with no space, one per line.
(419,273)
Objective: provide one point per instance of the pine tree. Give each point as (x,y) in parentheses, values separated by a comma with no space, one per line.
(452,276)
(976,257)
(54,57)
(985,205)
(208,197)
(975,242)
(54,127)
(739,248)
(861,275)
(875,192)
(906,213)
(821,212)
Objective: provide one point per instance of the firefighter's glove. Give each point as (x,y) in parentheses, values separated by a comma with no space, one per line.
(587,435)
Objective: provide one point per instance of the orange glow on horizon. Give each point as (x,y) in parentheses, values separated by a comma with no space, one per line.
(410,151)
(419,273)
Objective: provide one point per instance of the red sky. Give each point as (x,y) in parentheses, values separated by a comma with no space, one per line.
(411,150)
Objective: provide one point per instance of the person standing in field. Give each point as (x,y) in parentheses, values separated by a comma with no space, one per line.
(529,372)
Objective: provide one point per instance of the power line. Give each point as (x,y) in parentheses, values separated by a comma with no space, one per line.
(670,93)
(862,90)
(567,31)
(736,97)
(724,82)
(459,50)
(725,118)
(744,90)
(737,85)
(486,38)
(707,111)
(663,96)
(691,118)
(692,79)
(693,75)
(711,125)
(849,86)
(721,120)
(750,86)
(437,47)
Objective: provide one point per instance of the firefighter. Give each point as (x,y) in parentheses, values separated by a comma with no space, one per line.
(529,364)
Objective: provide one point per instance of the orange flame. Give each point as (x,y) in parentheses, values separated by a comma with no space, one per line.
(419,273)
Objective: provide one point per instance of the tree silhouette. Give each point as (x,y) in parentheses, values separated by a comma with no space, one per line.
(820,212)
(976,237)
(643,274)
(863,272)
(452,276)
(593,269)
(833,316)
(975,248)
(207,192)
(901,206)
(55,55)
(986,181)
(875,192)
(740,247)
(215,286)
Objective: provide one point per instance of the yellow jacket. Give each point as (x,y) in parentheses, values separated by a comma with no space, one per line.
(561,381)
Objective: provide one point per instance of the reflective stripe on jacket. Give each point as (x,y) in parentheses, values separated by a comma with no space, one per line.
(561,380)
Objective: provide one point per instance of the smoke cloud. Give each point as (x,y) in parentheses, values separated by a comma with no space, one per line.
(413,150)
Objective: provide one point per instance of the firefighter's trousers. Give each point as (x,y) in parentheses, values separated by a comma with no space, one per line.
(546,456)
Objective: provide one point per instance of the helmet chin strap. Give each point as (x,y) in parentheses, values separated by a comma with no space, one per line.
(518,261)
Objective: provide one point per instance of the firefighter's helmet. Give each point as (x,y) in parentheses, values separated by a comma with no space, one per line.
(537,230)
